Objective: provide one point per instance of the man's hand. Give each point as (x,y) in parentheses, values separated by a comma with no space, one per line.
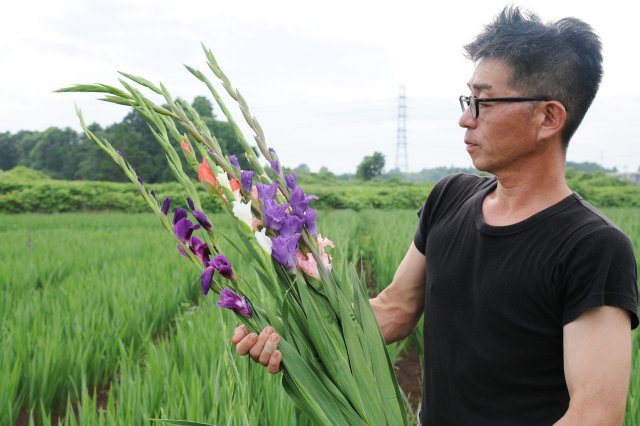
(261,348)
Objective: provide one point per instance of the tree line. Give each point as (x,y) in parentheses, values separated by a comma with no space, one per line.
(69,155)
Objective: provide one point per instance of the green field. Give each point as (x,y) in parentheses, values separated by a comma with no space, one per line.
(101,317)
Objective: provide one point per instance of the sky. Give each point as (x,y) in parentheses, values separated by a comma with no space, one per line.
(322,78)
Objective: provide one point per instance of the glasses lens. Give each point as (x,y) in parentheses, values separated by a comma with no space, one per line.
(473,104)
(464,102)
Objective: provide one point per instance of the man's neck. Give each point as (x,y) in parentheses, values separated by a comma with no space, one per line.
(521,194)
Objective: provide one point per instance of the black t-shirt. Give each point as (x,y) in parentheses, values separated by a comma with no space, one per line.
(497,297)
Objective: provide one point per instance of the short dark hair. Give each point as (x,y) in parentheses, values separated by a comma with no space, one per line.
(562,60)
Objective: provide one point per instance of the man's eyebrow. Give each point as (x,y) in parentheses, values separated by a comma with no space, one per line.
(478,87)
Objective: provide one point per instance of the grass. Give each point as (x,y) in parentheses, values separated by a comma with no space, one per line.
(97,315)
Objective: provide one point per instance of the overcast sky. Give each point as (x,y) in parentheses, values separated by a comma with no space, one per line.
(322,78)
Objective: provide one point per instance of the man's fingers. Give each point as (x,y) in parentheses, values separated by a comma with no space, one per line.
(257,348)
(244,346)
(274,362)
(239,333)
(270,345)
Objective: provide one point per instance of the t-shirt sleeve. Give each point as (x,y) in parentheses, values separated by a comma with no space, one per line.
(424,213)
(600,270)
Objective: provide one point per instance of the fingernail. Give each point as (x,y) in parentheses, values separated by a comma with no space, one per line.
(273,338)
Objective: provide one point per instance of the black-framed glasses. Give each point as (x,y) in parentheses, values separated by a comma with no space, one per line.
(474,103)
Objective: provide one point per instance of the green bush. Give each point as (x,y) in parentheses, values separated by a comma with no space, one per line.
(26,190)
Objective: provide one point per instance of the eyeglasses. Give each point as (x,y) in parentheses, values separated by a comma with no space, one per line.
(474,103)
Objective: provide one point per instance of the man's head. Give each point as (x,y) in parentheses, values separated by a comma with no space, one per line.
(560,60)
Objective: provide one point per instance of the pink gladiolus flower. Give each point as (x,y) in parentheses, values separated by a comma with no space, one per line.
(308,264)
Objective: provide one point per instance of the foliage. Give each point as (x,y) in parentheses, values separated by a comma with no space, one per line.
(27,190)
(371,166)
(67,154)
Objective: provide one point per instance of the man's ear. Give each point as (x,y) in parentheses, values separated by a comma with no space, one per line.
(553,119)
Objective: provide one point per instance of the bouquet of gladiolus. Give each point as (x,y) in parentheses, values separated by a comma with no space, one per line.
(335,364)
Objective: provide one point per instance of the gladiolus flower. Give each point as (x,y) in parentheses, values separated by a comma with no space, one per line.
(275,164)
(235,185)
(267,192)
(324,242)
(202,219)
(200,249)
(185,146)
(264,241)
(223,265)
(310,221)
(178,214)
(284,250)
(183,230)
(246,179)
(205,174)
(153,194)
(165,206)
(308,264)
(242,211)
(181,250)
(206,279)
(291,181)
(300,202)
(275,214)
(234,161)
(190,203)
(230,300)
(291,225)
(223,179)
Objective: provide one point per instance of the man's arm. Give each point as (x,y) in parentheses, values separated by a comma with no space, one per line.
(597,365)
(399,306)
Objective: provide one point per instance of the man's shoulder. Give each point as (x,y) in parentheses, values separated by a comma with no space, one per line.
(463,183)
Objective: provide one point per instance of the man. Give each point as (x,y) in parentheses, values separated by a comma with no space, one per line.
(529,293)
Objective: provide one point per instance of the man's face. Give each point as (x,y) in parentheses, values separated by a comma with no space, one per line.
(504,135)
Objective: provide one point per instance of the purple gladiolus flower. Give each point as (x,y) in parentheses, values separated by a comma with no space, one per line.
(284,250)
(200,249)
(275,164)
(230,300)
(181,250)
(202,219)
(165,206)
(178,214)
(183,230)
(275,214)
(310,221)
(190,204)
(291,225)
(246,179)
(291,181)
(300,202)
(206,279)
(140,180)
(120,153)
(153,194)
(234,161)
(267,192)
(223,265)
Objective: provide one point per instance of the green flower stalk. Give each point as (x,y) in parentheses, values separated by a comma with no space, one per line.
(335,364)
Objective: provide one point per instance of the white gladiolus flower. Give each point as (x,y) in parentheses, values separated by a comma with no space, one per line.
(243,212)
(223,179)
(264,241)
